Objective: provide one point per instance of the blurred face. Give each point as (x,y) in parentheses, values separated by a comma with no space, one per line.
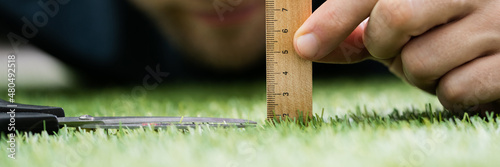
(220,34)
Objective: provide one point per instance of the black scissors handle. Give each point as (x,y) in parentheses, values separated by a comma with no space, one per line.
(6,106)
(33,118)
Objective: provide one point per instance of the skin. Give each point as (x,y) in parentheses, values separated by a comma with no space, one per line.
(449,48)
(223,41)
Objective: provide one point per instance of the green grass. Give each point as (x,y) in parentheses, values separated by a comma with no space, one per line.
(365,122)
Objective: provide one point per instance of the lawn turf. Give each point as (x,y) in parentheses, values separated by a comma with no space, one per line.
(365,122)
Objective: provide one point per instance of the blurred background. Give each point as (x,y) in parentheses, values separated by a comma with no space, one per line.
(68,43)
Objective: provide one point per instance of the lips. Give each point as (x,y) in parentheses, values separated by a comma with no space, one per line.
(224,16)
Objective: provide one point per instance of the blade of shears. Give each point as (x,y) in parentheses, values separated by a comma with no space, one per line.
(89,122)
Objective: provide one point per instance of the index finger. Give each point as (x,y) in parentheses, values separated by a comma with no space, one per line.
(329,26)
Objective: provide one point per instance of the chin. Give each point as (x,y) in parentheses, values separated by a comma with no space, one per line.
(227,59)
(234,48)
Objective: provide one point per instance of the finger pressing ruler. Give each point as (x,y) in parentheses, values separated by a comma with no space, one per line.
(288,77)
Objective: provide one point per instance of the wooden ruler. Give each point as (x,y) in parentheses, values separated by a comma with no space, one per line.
(289,77)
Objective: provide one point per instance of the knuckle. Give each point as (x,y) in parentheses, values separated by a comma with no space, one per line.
(451,93)
(417,68)
(396,14)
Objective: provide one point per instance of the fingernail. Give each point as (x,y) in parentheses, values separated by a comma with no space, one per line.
(307,46)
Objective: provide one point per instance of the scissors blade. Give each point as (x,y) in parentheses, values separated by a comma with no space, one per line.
(89,122)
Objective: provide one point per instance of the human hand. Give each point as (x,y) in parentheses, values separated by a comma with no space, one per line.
(449,47)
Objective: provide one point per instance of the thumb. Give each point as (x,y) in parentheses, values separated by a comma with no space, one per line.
(333,33)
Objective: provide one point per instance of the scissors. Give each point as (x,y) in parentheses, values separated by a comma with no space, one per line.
(34,118)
